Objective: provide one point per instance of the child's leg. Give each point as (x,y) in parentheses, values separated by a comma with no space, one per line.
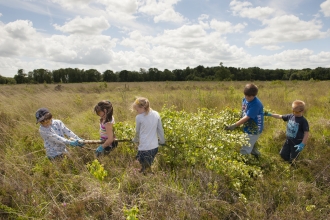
(285,151)
(255,150)
(146,159)
(141,158)
(151,156)
(293,153)
(248,149)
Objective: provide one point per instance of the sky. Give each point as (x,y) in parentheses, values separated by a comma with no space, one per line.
(164,34)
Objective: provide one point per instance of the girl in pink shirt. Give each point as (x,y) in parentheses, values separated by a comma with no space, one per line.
(104,109)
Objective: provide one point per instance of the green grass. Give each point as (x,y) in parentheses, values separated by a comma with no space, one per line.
(32,187)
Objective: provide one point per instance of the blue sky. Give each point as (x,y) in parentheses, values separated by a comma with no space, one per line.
(164,34)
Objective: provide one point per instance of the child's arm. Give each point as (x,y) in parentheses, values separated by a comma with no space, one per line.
(306,135)
(238,123)
(68,132)
(50,136)
(137,131)
(160,132)
(273,115)
(301,146)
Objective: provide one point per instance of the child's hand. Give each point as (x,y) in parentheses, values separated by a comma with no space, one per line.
(299,147)
(267,113)
(231,127)
(81,142)
(99,150)
(74,143)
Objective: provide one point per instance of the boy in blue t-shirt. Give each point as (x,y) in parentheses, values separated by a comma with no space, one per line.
(297,131)
(252,119)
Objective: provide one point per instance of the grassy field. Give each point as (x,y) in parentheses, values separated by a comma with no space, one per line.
(32,187)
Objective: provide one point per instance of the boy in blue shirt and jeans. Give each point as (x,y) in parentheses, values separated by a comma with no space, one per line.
(252,119)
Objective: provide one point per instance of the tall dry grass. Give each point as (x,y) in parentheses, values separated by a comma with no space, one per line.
(34,188)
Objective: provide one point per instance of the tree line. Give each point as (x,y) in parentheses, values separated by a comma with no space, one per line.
(199,73)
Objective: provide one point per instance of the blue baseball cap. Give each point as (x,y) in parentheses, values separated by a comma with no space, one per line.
(40,114)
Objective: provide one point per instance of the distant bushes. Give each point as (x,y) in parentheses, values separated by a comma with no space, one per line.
(199,73)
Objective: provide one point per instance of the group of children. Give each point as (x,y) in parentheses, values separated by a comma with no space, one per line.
(252,119)
(149,133)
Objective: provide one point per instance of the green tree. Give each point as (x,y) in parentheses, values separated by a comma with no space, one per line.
(123,76)
(222,74)
(20,77)
(93,75)
(109,76)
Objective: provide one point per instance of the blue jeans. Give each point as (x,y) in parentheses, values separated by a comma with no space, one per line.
(146,157)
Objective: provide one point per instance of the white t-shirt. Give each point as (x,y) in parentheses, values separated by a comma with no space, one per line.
(148,129)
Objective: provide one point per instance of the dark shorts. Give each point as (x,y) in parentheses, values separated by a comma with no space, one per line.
(112,146)
(146,157)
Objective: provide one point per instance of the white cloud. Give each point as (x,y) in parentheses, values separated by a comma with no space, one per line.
(325,8)
(298,59)
(184,37)
(225,27)
(162,10)
(294,56)
(321,58)
(19,30)
(291,59)
(19,38)
(288,28)
(123,6)
(154,7)
(137,40)
(203,17)
(285,5)
(82,49)
(72,4)
(245,10)
(188,45)
(85,25)
(144,40)
(169,15)
(272,47)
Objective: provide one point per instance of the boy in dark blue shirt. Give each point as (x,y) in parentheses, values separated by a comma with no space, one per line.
(297,131)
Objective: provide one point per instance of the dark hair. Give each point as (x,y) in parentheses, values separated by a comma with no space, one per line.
(105,105)
(250,90)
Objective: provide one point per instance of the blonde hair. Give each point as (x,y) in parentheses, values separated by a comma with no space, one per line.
(141,102)
(298,105)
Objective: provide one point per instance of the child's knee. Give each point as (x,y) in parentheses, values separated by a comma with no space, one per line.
(285,157)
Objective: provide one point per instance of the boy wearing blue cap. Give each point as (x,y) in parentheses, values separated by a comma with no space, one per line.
(54,133)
